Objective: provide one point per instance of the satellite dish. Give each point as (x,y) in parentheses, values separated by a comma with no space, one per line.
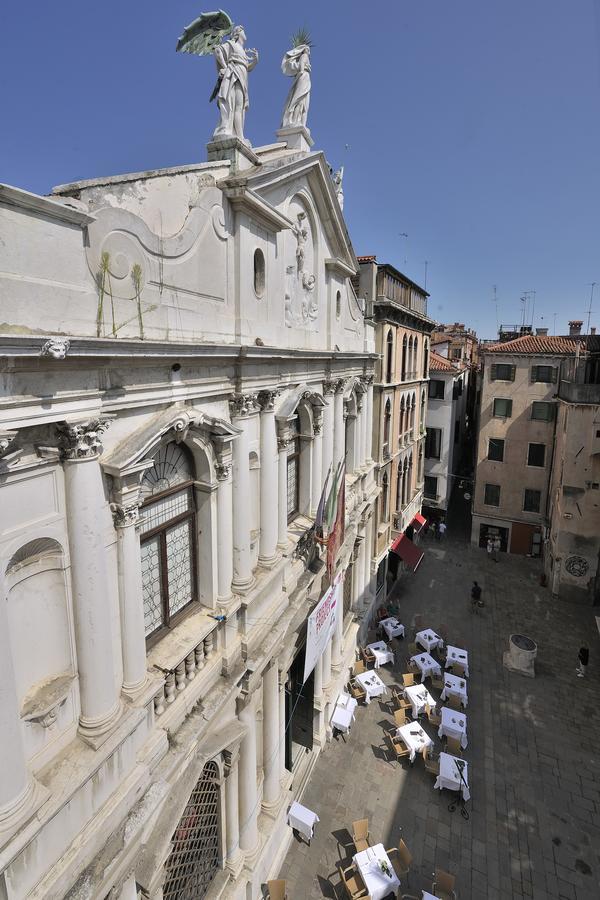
(467,496)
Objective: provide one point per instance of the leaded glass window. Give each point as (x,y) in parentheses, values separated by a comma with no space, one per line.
(293,472)
(168,556)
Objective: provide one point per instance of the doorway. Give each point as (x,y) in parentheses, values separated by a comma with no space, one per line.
(299,704)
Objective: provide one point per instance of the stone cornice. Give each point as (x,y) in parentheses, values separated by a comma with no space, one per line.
(44,206)
(389,312)
(246,201)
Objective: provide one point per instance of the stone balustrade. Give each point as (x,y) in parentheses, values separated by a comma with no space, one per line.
(185,671)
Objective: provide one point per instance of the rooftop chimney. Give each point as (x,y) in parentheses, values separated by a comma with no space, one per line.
(593,329)
(575,326)
(541,331)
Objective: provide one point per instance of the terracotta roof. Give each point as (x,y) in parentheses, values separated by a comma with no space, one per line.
(537,343)
(437,338)
(439,364)
(366,258)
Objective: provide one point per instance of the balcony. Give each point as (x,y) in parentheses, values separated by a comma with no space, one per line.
(580,381)
(403,517)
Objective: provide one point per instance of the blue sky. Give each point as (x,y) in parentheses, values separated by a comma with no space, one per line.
(474,127)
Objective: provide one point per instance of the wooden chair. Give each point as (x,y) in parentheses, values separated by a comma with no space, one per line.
(408,679)
(432,716)
(357,691)
(399,699)
(437,681)
(358,668)
(454,702)
(443,886)
(453,746)
(353,883)
(360,834)
(277,889)
(397,746)
(431,765)
(458,669)
(400,717)
(368,656)
(401,859)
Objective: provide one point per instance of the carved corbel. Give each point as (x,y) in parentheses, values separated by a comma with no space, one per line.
(55,348)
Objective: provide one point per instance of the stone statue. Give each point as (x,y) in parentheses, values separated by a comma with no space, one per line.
(301,237)
(338,178)
(233,64)
(296,64)
(202,37)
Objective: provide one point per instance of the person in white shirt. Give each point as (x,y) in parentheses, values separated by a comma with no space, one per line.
(442,529)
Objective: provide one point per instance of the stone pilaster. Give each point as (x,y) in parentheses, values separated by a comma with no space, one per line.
(242,407)
(317,459)
(327,439)
(339,430)
(282,527)
(133,644)
(271,767)
(224,530)
(234,856)
(248,806)
(269,493)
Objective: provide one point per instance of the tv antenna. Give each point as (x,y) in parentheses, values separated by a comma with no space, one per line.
(426,261)
(589,312)
(495,301)
(403,234)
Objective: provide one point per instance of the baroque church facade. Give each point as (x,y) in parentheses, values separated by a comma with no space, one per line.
(185,364)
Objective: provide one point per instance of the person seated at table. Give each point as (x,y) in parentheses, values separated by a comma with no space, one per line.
(382,613)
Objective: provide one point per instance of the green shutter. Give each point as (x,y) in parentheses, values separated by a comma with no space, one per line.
(534,374)
(509,409)
(554,375)
(513,369)
(493,372)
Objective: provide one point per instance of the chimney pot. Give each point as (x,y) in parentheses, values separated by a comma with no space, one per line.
(593,329)
(541,331)
(575,326)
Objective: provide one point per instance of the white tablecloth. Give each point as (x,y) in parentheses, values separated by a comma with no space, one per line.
(342,719)
(382,653)
(453,684)
(392,627)
(414,737)
(428,896)
(419,697)
(302,819)
(372,684)
(429,639)
(454,724)
(449,777)
(378,884)
(347,702)
(427,664)
(456,655)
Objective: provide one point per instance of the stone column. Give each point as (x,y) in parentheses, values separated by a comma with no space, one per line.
(317,460)
(327,663)
(247,781)
(282,527)
(271,766)
(327,439)
(318,677)
(364,416)
(269,519)
(242,406)
(339,431)
(133,644)
(15,784)
(356,576)
(224,531)
(92,591)
(282,725)
(232,808)
(369,447)
(338,634)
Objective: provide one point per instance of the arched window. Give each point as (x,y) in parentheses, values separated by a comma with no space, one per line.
(399,487)
(405,483)
(422,419)
(409,491)
(259,272)
(338,304)
(168,543)
(413,404)
(293,471)
(416,356)
(410,358)
(389,356)
(425,360)
(402,424)
(385,497)
(420,474)
(196,842)
(404,345)
(387,422)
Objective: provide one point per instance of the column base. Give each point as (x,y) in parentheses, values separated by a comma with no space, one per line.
(273,808)
(251,856)
(132,691)
(267,562)
(23,807)
(235,863)
(96,731)
(243,587)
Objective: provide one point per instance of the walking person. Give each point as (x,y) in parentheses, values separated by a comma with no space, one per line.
(442,529)
(489,548)
(584,658)
(497,548)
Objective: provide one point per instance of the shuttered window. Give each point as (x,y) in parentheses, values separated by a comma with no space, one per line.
(496,450)
(502,372)
(492,495)
(542,411)
(502,408)
(545,374)
(433,443)
(531,500)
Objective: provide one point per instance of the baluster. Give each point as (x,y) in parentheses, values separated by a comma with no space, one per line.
(180,676)
(190,666)
(159,702)
(199,654)
(170,687)
(209,645)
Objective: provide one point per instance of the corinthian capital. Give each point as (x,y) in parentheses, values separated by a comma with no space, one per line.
(222,471)
(243,405)
(266,400)
(125,515)
(6,439)
(339,385)
(82,440)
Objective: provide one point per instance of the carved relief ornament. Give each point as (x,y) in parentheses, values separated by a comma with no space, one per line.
(82,440)
(266,400)
(55,348)
(243,405)
(125,515)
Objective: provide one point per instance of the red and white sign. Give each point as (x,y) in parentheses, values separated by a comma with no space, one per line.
(321,624)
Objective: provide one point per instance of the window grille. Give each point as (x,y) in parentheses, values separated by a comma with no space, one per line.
(194,858)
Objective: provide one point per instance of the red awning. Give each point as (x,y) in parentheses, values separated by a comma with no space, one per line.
(407,551)
(418,522)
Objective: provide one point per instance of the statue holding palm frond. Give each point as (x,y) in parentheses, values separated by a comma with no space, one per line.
(296,64)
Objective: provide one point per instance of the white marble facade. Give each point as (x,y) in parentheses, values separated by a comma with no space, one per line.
(183,360)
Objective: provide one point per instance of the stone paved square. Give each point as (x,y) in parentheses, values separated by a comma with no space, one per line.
(534,826)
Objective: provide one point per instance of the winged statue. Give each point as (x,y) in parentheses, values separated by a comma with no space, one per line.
(214,33)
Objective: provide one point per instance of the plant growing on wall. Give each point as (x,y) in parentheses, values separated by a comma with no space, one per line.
(136,274)
(103,282)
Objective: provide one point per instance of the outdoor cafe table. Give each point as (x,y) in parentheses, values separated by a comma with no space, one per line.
(429,639)
(381,652)
(392,627)
(414,737)
(456,655)
(377,883)
(347,702)
(302,820)
(454,685)
(419,697)
(427,664)
(371,684)
(449,777)
(454,725)
(341,719)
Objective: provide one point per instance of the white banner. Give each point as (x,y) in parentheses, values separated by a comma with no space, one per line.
(321,624)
